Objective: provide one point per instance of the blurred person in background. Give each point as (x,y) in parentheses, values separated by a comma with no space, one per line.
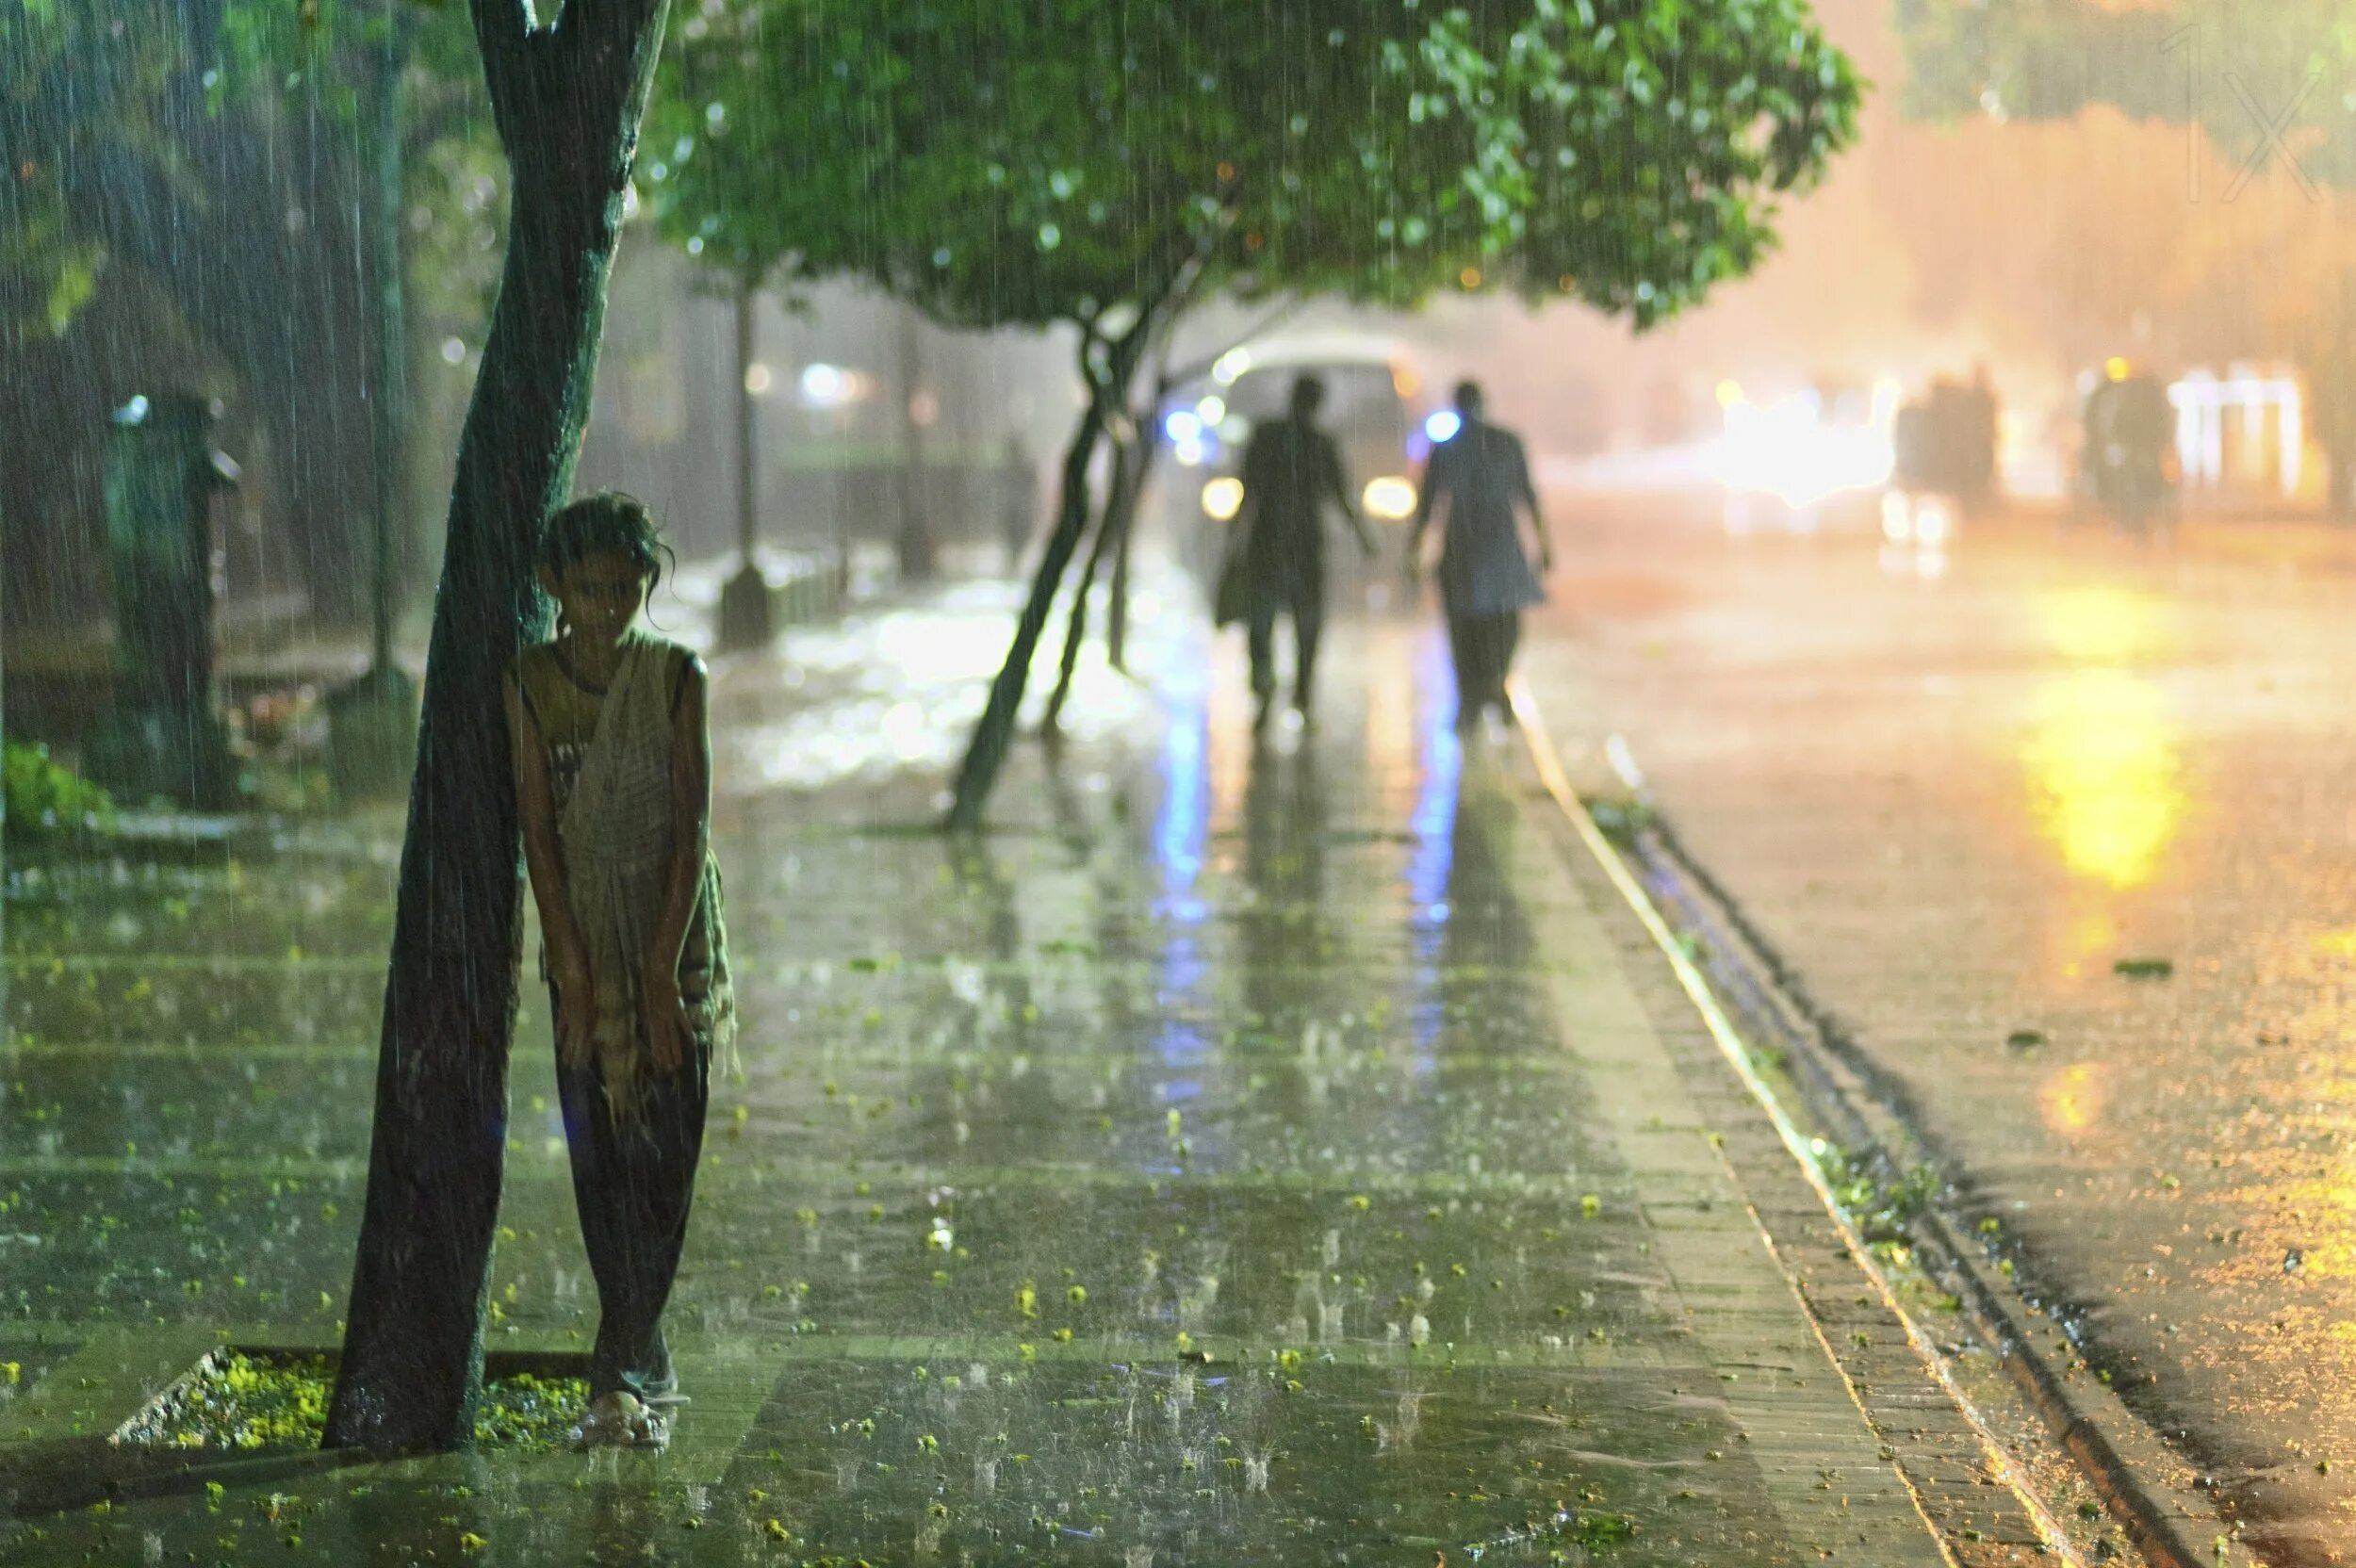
(1482,474)
(1018,500)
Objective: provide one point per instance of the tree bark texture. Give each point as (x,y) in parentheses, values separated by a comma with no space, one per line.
(566,100)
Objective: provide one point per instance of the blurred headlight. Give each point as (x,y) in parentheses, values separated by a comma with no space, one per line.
(1389,497)
(1897,526)
(1222,499)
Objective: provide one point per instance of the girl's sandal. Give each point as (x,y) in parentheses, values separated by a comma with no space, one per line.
(649,1430)
(618,1420)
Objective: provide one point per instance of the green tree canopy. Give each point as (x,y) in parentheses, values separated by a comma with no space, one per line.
(1054,160)
(1109,165)
(2235,70)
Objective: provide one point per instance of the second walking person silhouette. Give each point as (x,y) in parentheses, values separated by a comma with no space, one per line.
(1485,576)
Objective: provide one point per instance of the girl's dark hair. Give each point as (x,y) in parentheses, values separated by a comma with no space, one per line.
(606,523)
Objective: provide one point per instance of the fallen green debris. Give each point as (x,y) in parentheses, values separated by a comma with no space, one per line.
(245,1403)
(1882,1206)
(45,797)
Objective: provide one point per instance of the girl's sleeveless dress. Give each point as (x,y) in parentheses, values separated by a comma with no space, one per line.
(608,756)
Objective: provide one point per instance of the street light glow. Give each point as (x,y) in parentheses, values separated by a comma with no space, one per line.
(825,385)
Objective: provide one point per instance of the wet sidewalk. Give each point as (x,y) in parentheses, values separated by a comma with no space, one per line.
(1243,1154)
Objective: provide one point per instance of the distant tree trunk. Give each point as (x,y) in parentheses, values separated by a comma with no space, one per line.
(747,427)
(566,100)
(1076,626)
(388,395)
(1120,496)
(1124,521)
(994,733)
(916,541)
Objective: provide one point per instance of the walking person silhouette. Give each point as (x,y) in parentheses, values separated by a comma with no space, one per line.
(1291,470)
(1485,577)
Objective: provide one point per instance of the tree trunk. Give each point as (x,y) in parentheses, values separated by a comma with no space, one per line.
(1076,626)
(994,733)
(389,393)
(1106,385)
(748,431)
(1131,456)
(1124,519)
(916,541)
(566,101)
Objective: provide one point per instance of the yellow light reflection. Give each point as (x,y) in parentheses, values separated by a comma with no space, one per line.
(2101,624)
(1390,722)
(2101,749)
(2103,775)
(2070,1101)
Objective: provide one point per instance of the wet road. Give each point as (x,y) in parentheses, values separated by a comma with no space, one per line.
(1958,794)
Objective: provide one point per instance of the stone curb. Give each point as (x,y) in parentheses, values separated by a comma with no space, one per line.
(2127,1463)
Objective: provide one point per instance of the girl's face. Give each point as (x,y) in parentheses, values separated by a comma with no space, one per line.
(599,595)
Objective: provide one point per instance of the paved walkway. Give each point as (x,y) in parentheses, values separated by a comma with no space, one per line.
(1241,1155)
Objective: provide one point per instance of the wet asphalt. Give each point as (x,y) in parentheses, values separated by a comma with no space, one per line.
(2060,827)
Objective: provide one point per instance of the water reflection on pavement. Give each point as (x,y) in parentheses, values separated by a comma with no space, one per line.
(1977,808)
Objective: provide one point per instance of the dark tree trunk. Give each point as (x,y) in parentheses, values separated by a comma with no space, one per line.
(1121,497)
(747,325)
(918,549)
(566,100)
(389,394)
(1124,519)
(1076,626)
(994,733)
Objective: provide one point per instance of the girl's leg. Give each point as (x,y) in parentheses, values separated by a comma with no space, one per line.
(633,1182)
(598,1188)
(669,1145)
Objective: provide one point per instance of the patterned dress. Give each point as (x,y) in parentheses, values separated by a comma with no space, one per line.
(608,759)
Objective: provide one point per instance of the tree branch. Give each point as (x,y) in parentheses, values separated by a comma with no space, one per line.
(503,28)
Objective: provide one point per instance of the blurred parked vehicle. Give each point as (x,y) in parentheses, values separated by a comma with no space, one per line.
(1373,410)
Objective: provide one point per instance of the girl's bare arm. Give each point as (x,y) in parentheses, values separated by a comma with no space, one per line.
(691,819)
(535,805)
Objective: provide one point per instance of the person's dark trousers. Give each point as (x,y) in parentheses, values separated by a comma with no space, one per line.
(635,1181)
(1483,648)
(1506,642)
(1307,610)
